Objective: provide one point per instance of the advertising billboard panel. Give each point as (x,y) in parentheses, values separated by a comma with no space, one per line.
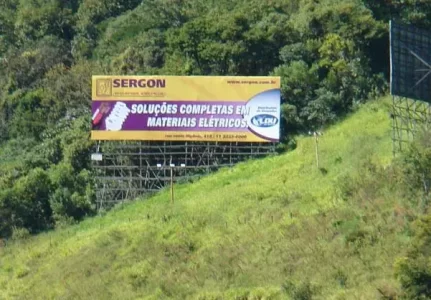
(186,108)
(410,62)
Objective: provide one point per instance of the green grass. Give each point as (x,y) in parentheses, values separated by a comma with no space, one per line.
(267,229)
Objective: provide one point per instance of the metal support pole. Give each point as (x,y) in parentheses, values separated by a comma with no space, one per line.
(316,142)
(317,149)
(172,184)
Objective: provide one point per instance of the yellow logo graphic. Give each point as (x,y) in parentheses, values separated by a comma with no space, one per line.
(103,87)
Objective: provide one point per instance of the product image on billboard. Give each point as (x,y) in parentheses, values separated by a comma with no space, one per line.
(186,108)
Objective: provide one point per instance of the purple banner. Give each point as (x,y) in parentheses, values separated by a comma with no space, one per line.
(169,116)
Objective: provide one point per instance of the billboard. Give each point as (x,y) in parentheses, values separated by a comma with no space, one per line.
(186,108)
(410,62)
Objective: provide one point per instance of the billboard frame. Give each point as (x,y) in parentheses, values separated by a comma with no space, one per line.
(410,61)
(129,169)
(186,108)
(409,116)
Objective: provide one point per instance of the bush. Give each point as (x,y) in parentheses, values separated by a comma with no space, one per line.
(20,234)
(73,197)
(304,290)
(414,270)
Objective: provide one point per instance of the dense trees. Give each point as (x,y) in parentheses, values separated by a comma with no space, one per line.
(329,54)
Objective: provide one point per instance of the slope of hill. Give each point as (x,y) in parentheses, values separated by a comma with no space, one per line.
(265,229)
(330,55)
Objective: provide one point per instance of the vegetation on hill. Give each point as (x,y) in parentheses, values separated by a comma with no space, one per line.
(276,228)
(331,55)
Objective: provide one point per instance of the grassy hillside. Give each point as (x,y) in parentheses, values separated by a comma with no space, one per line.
(330,55)
(266,229)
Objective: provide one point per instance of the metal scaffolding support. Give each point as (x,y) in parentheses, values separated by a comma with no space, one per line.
(409,117)
(126,170)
